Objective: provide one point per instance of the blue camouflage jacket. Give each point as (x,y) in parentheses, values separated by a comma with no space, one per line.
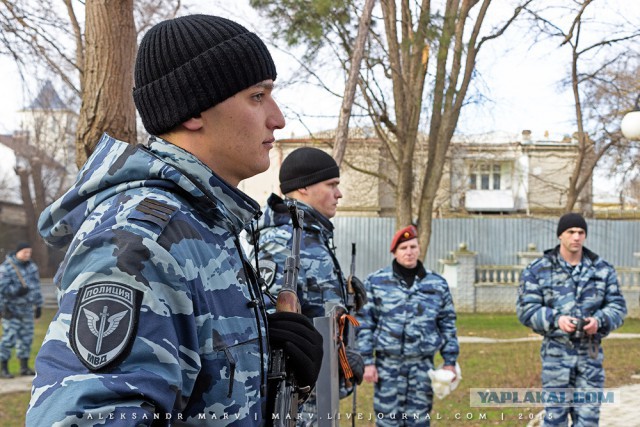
(548,290)
(416,321)
(320,279)
(159,312)
(19,306)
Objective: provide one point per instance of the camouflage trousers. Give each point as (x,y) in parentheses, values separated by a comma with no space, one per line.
(16,332)
(572,368)
(403,394)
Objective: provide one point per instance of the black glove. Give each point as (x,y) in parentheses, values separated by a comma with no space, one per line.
(22,291)
(301,342)
(7,314)
(38,312)
(360,293)
(356,363)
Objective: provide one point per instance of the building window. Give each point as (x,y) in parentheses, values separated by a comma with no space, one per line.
(486,176)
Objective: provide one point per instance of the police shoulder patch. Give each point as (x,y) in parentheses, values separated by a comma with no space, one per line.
(104,323)
(267,271)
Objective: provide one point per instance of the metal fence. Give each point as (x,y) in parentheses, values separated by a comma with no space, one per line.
(497,240)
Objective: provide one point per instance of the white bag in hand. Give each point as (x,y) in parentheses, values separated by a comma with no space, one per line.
(442,381)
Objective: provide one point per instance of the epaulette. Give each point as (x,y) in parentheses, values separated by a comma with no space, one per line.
(154,211)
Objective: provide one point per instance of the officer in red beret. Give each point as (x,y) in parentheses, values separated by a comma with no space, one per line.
(409,317)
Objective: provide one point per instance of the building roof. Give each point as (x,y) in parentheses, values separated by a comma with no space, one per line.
(47,99)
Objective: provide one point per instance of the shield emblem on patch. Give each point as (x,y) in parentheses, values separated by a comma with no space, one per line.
(267,271)
(104,322)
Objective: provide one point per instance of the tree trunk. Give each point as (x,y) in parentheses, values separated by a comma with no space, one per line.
(342,133)
(107,80)
(40,254)
(408,59)
(33,206)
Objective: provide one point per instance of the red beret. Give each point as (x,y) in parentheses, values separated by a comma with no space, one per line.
(403,235)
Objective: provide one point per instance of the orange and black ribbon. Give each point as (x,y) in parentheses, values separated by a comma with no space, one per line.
(342,351)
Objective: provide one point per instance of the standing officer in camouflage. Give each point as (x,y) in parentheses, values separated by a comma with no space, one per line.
(310,177)
(571,286)
(408,318)
(20,302)
(161,315)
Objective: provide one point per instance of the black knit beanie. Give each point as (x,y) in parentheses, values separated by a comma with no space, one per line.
(306,166)
(189,64)
(22,245)
(571,220)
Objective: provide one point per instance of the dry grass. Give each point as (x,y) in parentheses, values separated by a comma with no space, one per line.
(514,365)
(13,408)
(509,365)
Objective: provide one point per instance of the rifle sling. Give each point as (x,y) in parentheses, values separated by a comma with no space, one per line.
(15,267)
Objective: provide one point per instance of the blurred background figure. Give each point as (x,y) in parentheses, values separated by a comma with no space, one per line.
(20,302)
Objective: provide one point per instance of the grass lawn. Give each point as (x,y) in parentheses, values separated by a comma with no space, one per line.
(513,365)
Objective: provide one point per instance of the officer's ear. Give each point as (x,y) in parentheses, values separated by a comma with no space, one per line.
(194,123)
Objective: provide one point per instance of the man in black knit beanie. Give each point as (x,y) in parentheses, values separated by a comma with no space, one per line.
(311,177)
(571,296)
(160,316)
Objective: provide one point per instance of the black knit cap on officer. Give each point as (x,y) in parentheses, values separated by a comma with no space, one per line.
(189,64)
(306,166)
(22,245)
(571,220)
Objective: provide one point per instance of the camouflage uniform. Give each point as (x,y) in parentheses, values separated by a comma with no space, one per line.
(401,329)
(154,249)
(17,311)
(549,288)
(320,279)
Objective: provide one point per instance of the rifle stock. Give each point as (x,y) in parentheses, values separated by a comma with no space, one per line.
(283,384)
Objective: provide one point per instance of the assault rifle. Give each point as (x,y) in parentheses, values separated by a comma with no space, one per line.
(351,293)
(282,382)
(351,306)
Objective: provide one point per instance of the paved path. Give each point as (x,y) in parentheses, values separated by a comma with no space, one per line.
(626,414)
(16,384)
(532,338)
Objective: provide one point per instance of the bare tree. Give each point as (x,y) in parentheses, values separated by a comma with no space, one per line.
(41,155)
(342,131)
(598,98)
(95,64)
(417,52)
(614,92)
